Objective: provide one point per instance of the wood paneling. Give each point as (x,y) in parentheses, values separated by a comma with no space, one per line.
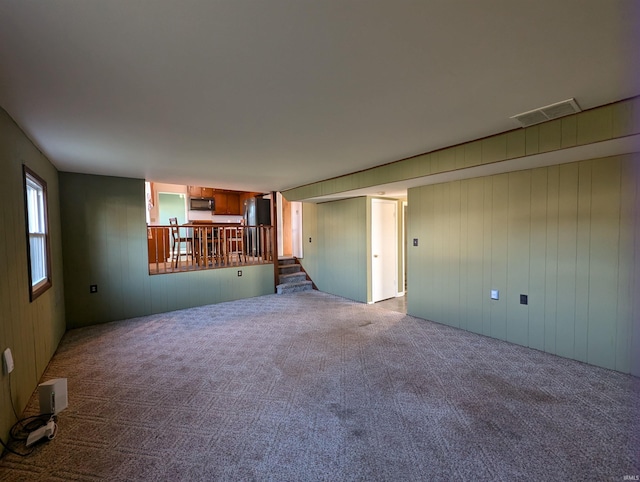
(532,140)
(595,125)
(551,223)
(105,243)
(583,260)
(463,247)
(499,249)
(516,143)
(627,259)
(472,153)
(537,258)
(567,266)
(310,250)
(487,247)
(563,235)
(518,256)
(471,234)
(494,149)
(615,120)
(569,131)
(336,257)
(550,136)
(451,245)
(536,232)
(600,293)
(31,329)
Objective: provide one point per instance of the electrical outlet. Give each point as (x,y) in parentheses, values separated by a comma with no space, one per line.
(8,361)
(93,288)
(239,272)
(415,241)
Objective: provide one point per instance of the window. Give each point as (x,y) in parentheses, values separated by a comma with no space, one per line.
(35,201)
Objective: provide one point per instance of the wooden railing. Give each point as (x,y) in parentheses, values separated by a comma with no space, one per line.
(191,247)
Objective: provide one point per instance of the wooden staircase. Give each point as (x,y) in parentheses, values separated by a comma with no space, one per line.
(292,277)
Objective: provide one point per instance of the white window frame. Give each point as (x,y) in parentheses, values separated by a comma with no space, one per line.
(37,228)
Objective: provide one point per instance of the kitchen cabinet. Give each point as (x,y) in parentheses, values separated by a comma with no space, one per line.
(198,191)
(228,203)
(221,203)
(233,203)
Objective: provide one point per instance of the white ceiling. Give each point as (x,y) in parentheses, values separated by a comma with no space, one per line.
(269,95)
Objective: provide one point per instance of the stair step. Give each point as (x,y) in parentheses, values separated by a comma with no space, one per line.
(292,278)
(294,287)
(286,261)
(288,268)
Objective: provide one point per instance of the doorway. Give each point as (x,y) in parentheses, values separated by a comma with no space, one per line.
(289,228)
(384,249)
(172,205)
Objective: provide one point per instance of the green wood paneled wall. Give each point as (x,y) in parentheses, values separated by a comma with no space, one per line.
(320,260)
(566,236)
(550,233)
(105,243)
(603,123)
(336,257)
(310,240)
(31,330)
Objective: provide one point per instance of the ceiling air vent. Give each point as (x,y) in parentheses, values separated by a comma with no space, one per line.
(549,112)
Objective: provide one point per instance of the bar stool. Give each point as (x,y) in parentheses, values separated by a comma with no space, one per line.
(235,242)
(177,241)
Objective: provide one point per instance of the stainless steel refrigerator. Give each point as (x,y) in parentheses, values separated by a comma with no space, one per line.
(257,211)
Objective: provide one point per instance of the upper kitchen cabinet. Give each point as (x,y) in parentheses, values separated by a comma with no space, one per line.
(233,203)
(198,191)
(228,203)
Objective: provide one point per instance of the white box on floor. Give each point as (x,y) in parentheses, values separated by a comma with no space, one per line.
(53,396)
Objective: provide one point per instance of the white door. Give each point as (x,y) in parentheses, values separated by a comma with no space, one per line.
(384,249)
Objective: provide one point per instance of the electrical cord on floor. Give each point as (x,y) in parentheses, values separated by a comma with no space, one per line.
(23,427)
(20,431)
(9,449)
(4,445)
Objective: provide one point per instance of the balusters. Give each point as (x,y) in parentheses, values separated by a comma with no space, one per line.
(212,246)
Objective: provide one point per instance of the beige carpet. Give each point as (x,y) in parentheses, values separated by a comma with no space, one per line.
(311,387)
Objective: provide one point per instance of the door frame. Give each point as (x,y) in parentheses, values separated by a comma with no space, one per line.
(393,250)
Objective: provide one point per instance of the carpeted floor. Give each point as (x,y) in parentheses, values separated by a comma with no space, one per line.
(310,387)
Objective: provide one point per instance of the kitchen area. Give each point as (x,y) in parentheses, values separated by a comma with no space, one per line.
(201,227)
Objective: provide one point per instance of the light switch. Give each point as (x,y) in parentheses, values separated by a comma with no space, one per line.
(495,295)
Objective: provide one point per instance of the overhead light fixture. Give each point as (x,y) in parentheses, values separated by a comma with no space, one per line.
(548,112)
(381,193)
